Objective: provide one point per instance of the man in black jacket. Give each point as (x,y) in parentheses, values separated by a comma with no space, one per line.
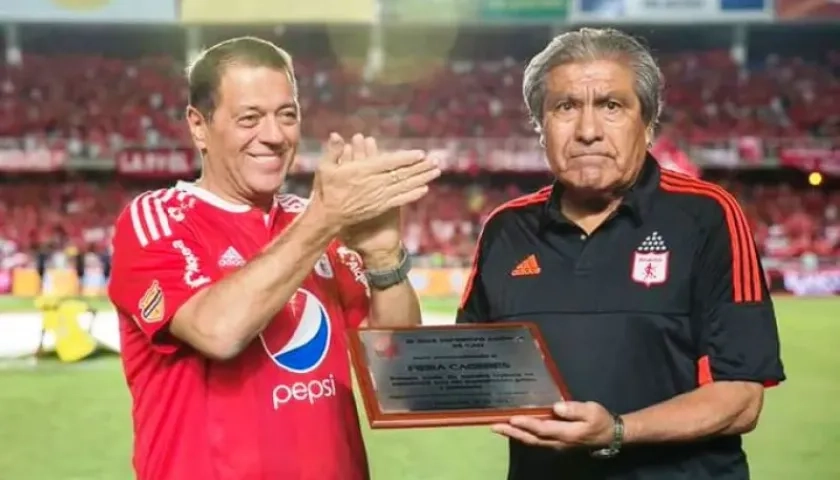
(646,284)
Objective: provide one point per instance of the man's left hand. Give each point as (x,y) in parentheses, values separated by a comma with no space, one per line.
(575,424)
(377,240)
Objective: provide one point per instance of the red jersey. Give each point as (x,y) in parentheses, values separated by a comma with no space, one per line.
(284,408)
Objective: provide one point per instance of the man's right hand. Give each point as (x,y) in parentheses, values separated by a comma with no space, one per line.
(352,192)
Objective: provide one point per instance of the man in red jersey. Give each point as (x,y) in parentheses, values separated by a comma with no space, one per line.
(234,300)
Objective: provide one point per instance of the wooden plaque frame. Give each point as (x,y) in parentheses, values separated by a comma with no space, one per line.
(379,419)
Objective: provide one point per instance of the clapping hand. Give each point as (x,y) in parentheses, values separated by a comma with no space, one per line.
(364,189)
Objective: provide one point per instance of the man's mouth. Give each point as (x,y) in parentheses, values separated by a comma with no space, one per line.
(265,158)
(588,160)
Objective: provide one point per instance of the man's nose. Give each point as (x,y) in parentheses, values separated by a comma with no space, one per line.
(589,129)
(271,132)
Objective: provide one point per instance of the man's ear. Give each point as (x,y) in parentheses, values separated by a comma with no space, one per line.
(198,127)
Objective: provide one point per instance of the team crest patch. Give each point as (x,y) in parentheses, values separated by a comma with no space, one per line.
(151,305)
(650,261)
(323,267)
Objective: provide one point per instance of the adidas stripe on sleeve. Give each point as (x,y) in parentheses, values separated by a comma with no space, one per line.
(739,337)
(157,265)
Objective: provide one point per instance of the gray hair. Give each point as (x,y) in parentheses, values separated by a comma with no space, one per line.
(589,44)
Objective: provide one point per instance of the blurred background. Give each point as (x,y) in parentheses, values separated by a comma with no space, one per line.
(92,95)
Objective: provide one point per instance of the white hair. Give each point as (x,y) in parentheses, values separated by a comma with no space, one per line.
(589,44)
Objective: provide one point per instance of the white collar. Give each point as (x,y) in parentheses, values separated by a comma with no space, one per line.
(212,198)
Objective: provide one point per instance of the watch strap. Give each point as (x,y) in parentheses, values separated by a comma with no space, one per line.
(617,440)
(383,279)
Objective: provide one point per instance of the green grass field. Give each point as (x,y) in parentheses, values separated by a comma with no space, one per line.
(71,422)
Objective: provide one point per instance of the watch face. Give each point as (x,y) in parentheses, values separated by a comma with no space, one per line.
(605,453)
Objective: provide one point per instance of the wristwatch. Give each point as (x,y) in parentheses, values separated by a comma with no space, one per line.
(617,440)
(383,279)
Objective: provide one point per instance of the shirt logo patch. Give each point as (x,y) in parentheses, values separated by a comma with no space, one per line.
(231,259)
(299,345)
(192,269)
(353,261)
(178,213)
(323,267)
(527,267)
(650,261)
(151,305)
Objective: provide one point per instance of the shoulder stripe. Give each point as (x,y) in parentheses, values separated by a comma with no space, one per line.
(161,211)
(539,196)
(167,194)
(149,220)
(134,211)
(746,274)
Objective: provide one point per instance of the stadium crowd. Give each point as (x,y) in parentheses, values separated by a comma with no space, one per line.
(77,215)
(710,98)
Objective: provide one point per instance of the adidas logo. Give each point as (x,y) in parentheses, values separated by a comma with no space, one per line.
(231,258)
(527,267)
(654,243)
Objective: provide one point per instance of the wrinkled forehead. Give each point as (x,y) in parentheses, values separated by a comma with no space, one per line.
(587,78)
(261,87)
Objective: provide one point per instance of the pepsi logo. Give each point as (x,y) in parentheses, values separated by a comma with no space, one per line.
(298,339)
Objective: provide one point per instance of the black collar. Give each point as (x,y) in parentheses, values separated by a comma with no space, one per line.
(636,202)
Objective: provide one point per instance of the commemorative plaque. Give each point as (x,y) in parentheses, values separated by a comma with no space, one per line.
(454,375)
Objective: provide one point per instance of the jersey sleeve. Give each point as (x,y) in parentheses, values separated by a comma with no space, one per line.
(156,267)
(474,307)
(353,289)
(739,337)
